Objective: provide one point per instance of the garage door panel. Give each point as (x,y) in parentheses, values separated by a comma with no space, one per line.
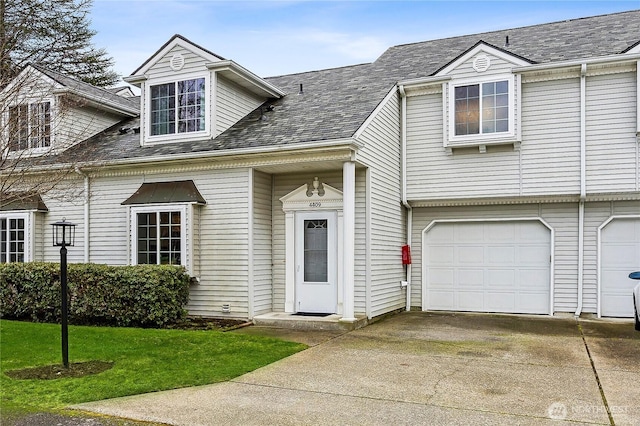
(441,255)
(441,277)
(497,267)
(501,254)
(467,278)
(469,233)
(533,303)
(501,278)
(500,302)
(470,255)
(619,255)
(470,301)
(442,300)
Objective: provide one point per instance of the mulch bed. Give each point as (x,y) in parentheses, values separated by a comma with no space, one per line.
(58,371)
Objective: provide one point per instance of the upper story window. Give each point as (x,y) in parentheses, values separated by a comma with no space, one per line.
(481,111)
(482,108)
(30,126)
(178,107)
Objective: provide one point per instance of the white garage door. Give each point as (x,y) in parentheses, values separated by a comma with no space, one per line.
(488,267)
(620,255)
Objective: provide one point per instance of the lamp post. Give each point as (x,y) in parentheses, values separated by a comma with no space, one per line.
(64,234)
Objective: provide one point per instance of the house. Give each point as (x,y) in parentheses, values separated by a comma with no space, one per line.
(495,172)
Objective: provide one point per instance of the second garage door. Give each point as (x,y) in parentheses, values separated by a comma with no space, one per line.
(488,267)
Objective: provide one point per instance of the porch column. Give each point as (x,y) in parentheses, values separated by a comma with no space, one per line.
(349,238)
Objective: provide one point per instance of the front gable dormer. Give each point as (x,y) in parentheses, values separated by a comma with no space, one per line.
(481,98)
(191,94)
(43,112)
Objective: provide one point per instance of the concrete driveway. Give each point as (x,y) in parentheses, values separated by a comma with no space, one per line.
(423,368)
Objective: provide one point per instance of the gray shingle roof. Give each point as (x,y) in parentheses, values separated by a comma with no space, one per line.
(337,101)
(101,95)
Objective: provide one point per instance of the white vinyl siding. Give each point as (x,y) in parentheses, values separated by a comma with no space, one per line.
(551,137)
(612,165)
(432,173)
(232,103)
(162,68)
(466,70)
(262,244)
(221,233)
(75,125)
(387,231)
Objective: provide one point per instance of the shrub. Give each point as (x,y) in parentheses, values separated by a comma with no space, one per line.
(142,295)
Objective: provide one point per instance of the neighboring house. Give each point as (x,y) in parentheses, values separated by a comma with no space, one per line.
(508,161)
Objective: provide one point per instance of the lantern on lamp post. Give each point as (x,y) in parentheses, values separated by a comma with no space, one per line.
(64,234)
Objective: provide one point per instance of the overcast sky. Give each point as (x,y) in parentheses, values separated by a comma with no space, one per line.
(283,37)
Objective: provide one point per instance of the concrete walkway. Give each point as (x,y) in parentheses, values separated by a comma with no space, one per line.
(423,368)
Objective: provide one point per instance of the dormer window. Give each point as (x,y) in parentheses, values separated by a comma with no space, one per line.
(178,107)
(481,111)
(482,108)
(30,126)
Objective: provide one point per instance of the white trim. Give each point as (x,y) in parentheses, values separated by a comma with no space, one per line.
(375,112)
(296,202)
(185,209)
(348,246)
(618,58)
(484,48)
(250,243)
(177,41)
(367,244)
(454,140)
(264,87)
(29,231)
(599,256)
(484,220)
(176,136)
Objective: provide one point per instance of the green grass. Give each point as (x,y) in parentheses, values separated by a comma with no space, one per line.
(145,360)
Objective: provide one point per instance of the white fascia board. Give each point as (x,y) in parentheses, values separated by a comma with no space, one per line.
(620,58)
(135,80)
(177,41)
(245,74)
(27,75)
(346,143)
(415,83)
(99,103)
(372,116)
(485,48)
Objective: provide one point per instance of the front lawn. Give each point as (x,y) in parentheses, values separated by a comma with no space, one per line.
(144,360)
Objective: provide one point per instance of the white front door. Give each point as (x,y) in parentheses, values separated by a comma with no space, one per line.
(316,262)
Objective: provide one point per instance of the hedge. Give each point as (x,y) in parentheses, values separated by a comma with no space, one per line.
(136,296)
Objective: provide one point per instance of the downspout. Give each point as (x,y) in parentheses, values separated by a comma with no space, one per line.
(583,184)
(86,213)
(403,167)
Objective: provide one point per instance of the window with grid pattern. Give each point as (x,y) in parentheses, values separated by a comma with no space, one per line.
(30,126)
(178,107)
(159,238)
(482,108)
(12,240)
